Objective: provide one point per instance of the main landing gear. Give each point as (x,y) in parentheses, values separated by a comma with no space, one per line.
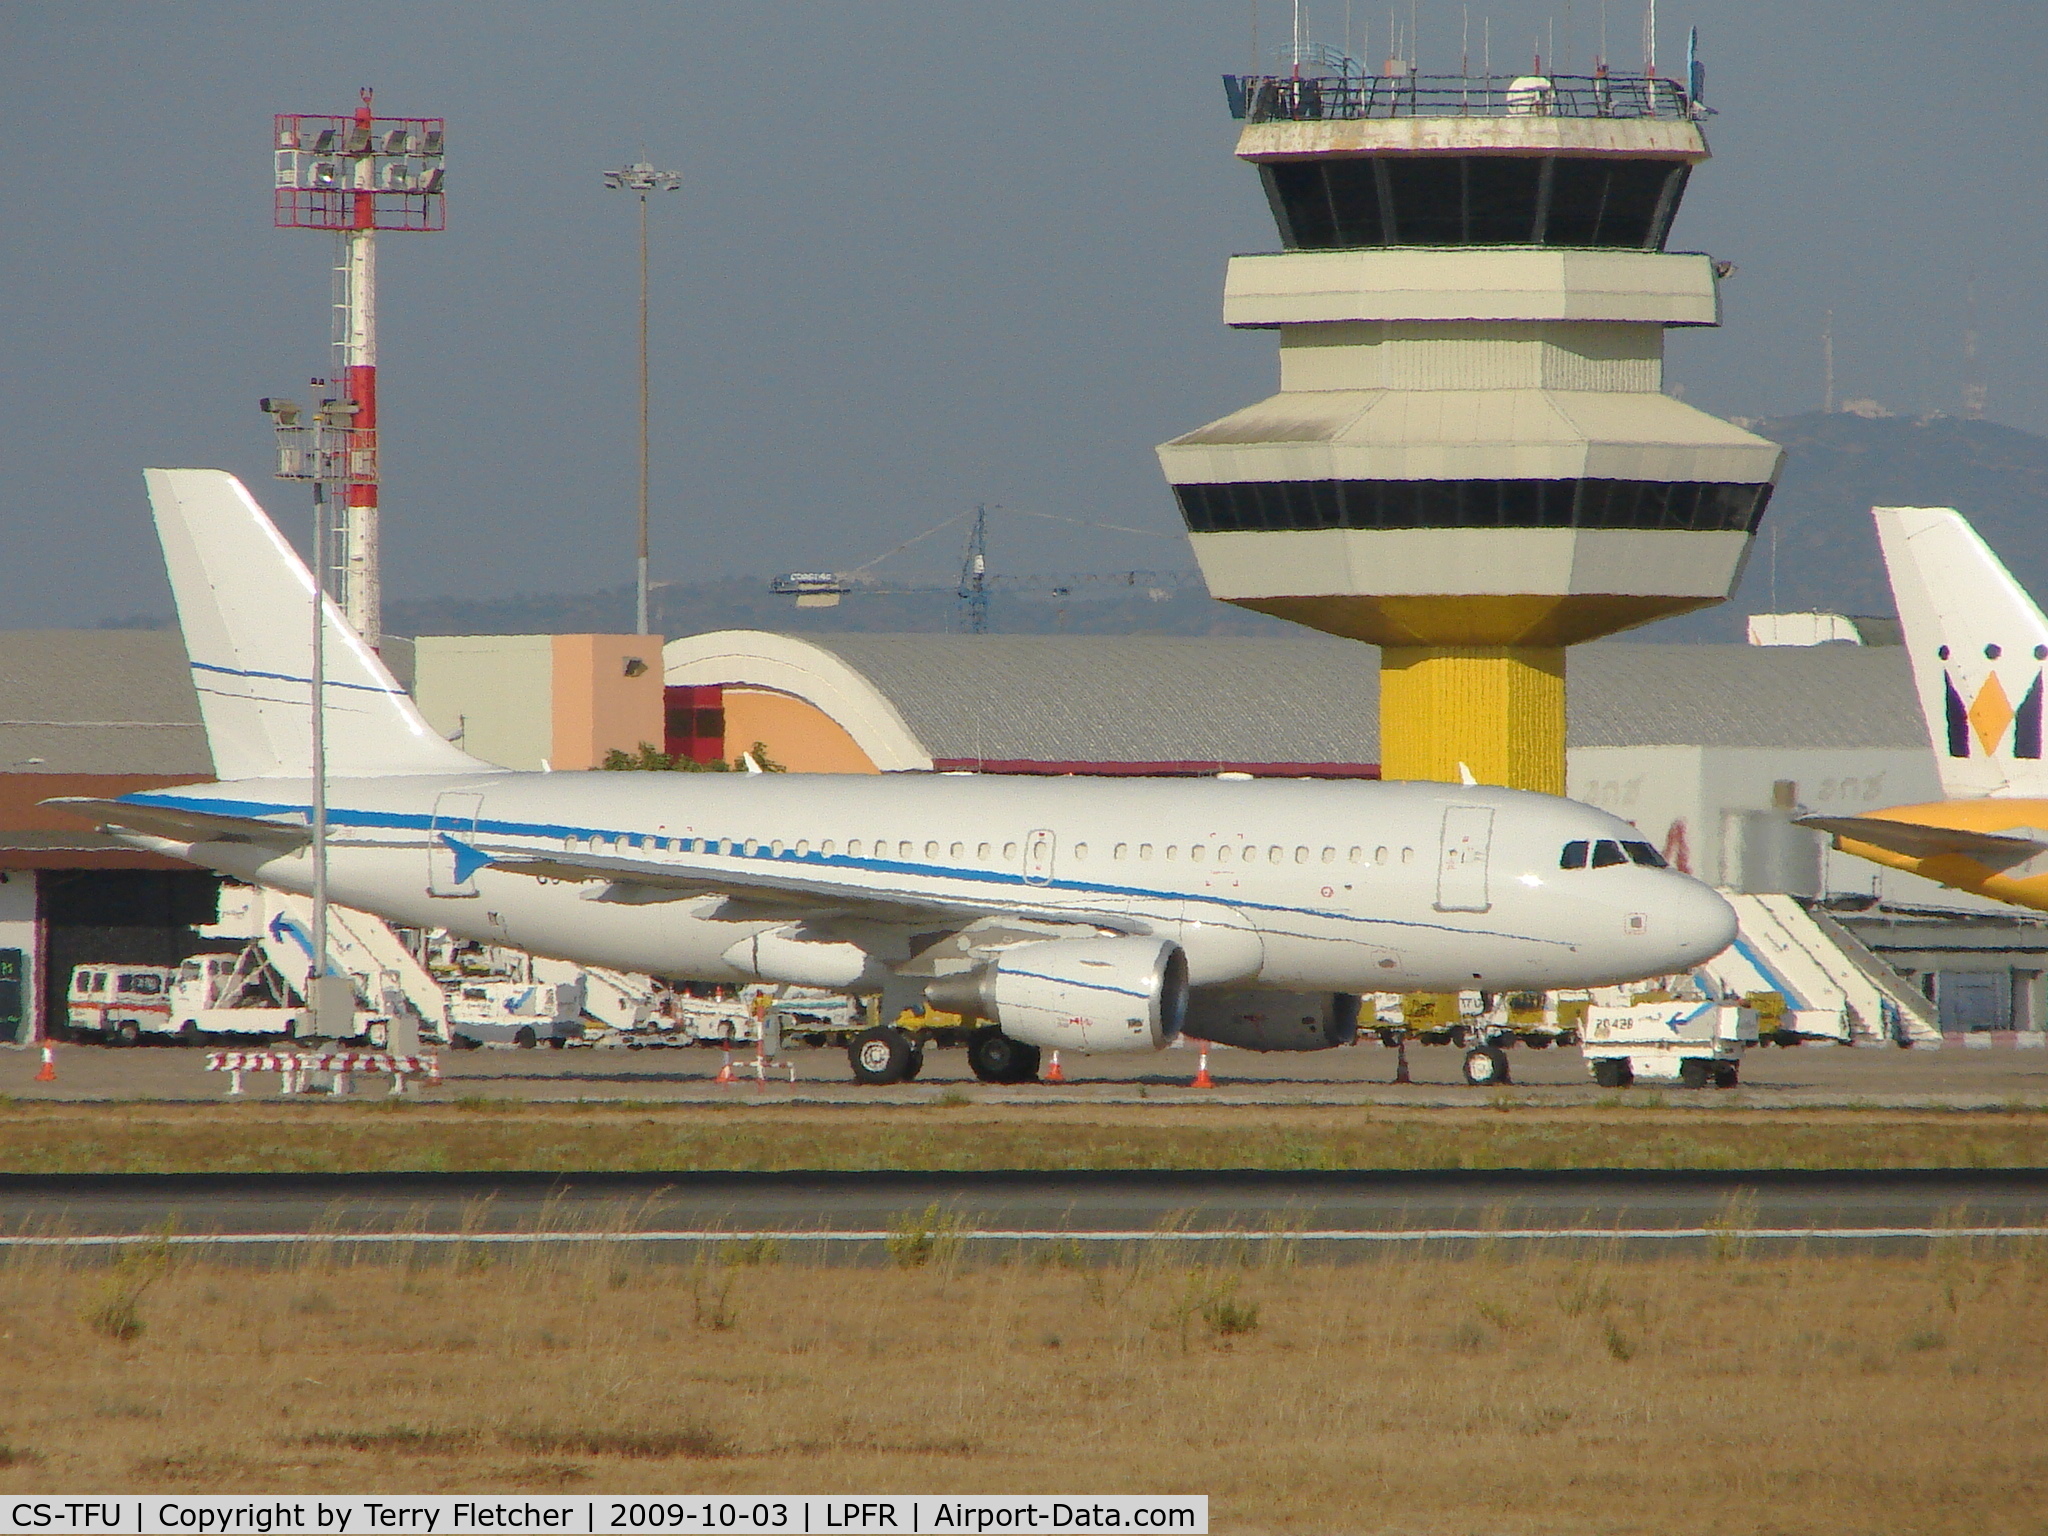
(996,1058)
(885,1055)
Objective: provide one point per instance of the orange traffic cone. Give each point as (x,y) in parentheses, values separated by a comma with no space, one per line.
(725,1073)
(1053,1074)
(48,1071)
(1401,1061)
(1202,1077)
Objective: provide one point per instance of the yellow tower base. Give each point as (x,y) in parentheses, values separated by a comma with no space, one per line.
(1497,709)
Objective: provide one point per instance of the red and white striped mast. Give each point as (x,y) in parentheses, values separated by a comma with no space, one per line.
(354,175)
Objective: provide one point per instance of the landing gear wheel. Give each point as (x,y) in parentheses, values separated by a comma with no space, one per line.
(526,1039)
(1612,1072)
(882,1056)
(996,1058)
(1693,1073)
(1727,1074)
(1486,1066)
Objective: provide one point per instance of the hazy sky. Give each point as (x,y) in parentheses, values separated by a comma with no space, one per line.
(926,255)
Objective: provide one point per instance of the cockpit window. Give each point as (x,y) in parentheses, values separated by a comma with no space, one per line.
(1574,856)
(1607,853)
(1645,855)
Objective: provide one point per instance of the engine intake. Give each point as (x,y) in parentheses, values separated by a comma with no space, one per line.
(1127,994)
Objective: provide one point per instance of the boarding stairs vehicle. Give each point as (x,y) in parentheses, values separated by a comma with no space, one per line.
(120,1004)
(1812,979)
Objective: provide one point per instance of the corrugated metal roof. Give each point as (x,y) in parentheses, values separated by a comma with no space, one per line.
(1126,698)
(1145,698)
(98,701)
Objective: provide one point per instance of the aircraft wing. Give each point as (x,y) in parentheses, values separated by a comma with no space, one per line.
(774,886)
(184,826)
(1917,840)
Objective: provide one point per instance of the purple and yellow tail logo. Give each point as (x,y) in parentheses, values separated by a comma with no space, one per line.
(1988,716)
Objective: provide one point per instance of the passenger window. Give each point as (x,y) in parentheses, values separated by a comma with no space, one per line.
(1080,850)
(1223,853)
(1379,855)
(1277,855)
(903,850)
(957,851)
(1122,850)
(1607,853)
(1574,856)
(1251,854)
(1144,850)
(931,850)
(1198,853)
(1645,855)
(1301,855)
(753,847)
(1329,855)
(1009,850)
(1407,855)
(774,848)
(1172,851)
(981,852)
(1357,856)
(828,847)
(853,847)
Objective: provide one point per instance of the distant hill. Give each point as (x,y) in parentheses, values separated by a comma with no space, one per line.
(1837,467)
(746,603)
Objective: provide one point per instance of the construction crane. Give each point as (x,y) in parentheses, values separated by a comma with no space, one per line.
(976,585)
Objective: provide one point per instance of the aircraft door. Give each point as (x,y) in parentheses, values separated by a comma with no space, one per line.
(451,870)
(1039,849)
(1461,859)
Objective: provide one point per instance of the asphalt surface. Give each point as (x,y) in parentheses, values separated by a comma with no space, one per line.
(1809,1077)
(1589,1204)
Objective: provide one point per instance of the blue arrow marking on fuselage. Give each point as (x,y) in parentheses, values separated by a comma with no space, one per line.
(468,860)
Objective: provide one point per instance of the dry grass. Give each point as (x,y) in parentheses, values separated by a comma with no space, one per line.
(1510,1394)
(495,1136)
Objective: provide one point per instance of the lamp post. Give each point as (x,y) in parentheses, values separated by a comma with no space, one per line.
(642,178)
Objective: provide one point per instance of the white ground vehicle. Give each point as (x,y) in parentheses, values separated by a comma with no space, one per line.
(1690,1041)
(239,994)
(120,1003)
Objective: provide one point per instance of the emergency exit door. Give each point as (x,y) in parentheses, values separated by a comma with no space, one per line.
(1461,859)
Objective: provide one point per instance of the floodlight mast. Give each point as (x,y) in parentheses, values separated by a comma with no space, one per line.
(355,175)
(642,178)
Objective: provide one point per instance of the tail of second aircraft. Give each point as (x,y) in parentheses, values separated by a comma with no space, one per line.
(245,604)
(1979,647)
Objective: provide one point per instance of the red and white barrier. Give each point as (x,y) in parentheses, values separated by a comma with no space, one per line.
(295,1068)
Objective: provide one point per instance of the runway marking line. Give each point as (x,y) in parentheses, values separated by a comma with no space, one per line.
(1413,1235)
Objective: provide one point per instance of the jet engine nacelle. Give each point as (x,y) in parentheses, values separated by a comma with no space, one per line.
(1126,994)
(1264,1020)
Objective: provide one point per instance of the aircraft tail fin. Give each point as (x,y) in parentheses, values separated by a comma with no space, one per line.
(1979,649)
(244,603)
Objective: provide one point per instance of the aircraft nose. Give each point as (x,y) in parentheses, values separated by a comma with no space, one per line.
(1699,922)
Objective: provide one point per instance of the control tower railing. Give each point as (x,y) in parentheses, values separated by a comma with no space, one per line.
(1288,98)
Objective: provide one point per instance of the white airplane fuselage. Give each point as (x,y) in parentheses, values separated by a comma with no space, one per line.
(1298,885)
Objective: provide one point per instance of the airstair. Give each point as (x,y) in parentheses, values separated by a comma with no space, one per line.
(1834,988)
(388,978)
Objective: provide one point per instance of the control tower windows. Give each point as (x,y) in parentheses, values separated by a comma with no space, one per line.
(1294,506)
(1566,200)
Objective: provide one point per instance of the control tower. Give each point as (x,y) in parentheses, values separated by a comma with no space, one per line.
(1471,461)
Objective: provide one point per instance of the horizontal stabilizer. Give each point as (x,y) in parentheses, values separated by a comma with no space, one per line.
(184,826)
(1918,840)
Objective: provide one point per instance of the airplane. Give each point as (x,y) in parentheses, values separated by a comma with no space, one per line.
(1978,645)
(1072,914)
